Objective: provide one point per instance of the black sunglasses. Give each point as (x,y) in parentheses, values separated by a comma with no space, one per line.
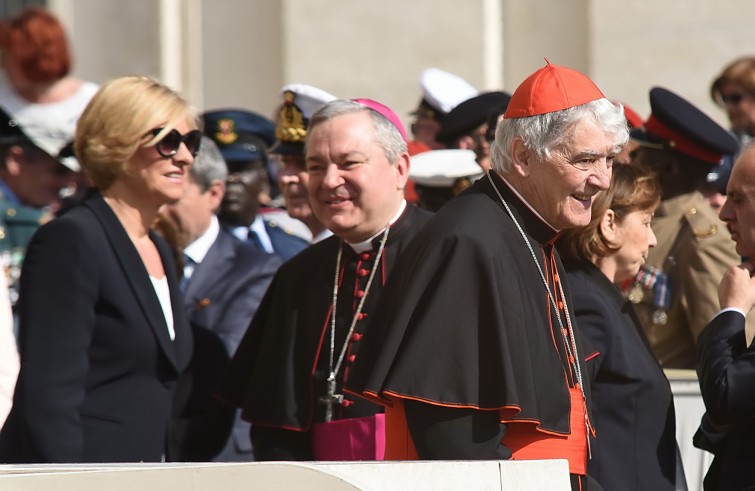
(732,99)
(168,145)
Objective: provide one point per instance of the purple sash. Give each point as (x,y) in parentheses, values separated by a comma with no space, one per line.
(350,439)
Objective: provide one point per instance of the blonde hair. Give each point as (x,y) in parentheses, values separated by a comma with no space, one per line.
(119,117)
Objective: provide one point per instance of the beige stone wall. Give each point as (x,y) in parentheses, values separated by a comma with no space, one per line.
(534,29)
(679,44)
(111,38)
(379,48)
(240,52)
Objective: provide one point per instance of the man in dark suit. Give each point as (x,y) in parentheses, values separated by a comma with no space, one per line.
(725,358)
(243,137)
(224,281)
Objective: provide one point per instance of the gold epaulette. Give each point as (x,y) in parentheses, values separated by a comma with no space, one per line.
(275,224)
(703,224)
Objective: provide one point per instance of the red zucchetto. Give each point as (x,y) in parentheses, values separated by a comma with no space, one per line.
(550,89)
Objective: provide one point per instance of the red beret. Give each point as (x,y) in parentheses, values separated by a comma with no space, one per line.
(550,89)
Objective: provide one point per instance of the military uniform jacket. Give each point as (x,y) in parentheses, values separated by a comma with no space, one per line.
(278,373)
(694,251)
(633,407)
(17,225)
(285,244)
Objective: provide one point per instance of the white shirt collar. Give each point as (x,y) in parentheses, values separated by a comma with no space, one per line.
(197,250)
(366,245)
(321,236)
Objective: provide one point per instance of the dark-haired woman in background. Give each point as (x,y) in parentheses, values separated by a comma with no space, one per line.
(633,410)
(103,337)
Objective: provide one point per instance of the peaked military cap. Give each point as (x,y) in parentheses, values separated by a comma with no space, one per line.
(439,175)
(470,114)
(299,102)
(442,168)
(240,135)
(634,120)
(54,142)
(441,92)
(677,124)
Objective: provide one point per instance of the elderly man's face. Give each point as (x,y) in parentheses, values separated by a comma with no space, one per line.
(739,209)
(354,190)
(565,184)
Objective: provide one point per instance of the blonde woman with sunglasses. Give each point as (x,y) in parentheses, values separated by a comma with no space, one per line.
(103,337)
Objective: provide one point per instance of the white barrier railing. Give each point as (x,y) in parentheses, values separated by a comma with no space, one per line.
(350,476)
(689,409)
(551,475)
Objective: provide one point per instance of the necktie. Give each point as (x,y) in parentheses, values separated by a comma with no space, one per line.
(254,239)
(189,265)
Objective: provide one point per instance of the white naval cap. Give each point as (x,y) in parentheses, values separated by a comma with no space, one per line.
(442,168)
(443,90)
(54,140)
(298,103)
(306,97)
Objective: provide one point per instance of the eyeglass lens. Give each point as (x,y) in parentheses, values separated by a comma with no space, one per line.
(732,98)
(168,145)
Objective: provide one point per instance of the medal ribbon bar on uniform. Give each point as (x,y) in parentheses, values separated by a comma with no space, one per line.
(653,279)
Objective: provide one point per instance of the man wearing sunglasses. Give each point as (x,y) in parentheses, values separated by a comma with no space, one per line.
(243,138)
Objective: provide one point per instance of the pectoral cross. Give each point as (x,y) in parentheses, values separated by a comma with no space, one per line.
(331,399)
